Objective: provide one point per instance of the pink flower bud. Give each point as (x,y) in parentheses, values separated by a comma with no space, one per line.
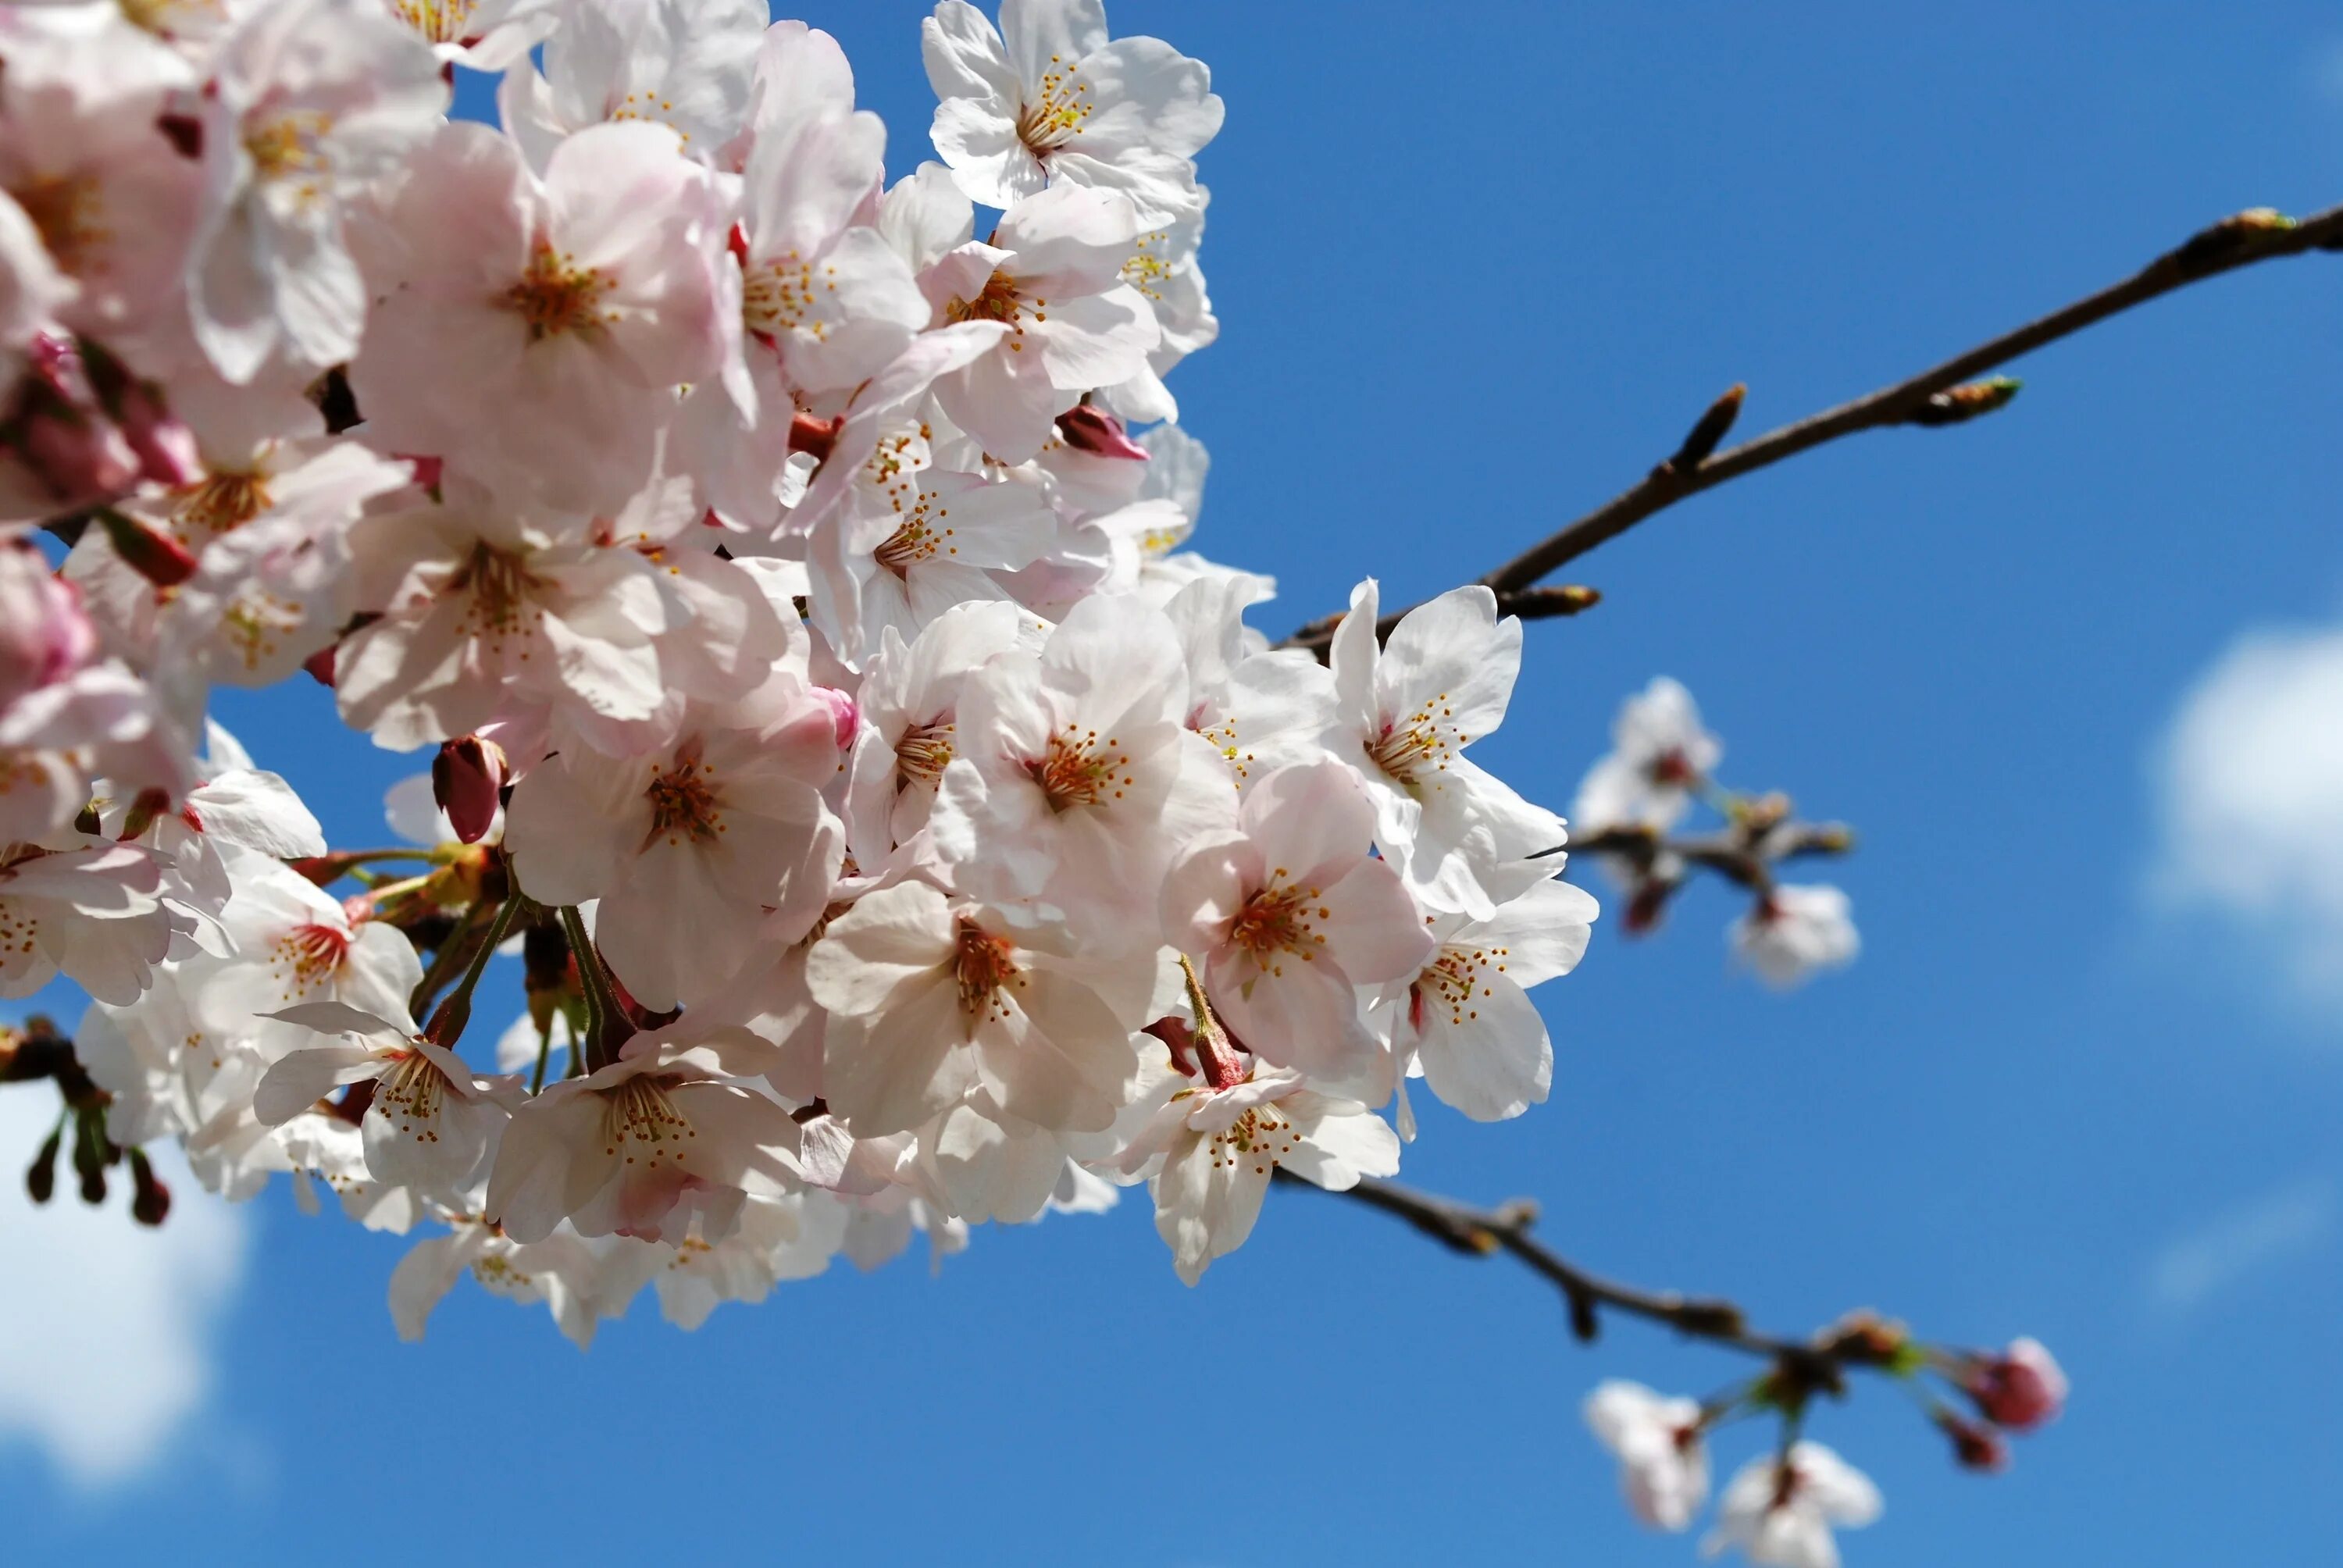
(816,436)
(466,779)
(2021,1389)
(1088,428)
(44,634)
(845,716)
(165,447)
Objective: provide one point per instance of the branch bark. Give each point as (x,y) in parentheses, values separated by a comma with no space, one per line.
(1936,395)
(1818,1363)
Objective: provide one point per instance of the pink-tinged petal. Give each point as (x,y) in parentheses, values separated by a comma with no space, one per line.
(1205,889)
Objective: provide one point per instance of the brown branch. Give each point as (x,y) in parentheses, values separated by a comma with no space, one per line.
(1935,396)
(1814,1363)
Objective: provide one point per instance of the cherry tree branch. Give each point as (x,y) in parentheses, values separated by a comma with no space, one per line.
(1945,394)
(1817,1364)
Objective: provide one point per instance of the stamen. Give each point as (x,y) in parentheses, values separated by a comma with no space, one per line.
(1079,770)
(556,296)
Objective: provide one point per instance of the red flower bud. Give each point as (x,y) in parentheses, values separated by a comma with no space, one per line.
(1974,1446)
(146,549)
(2020,1388)
(1088,428)
(807,433)
(845,716)
(466,779)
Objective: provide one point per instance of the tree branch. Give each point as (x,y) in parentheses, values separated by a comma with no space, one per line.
(1935,396)
(1817,1363)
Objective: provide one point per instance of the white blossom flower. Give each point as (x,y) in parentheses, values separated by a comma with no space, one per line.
(430,1124)
(1292,915)
(1659,755)
(1074,781)
(480,34)
(1406,710)
(1662,1463)
(929,1000)
(308,101)
(1779,1510)
(295,945)
(640,1148)
(688,847)
(1794,932)
(83,907)
(686,65)
(533,330)
(1218,1147)
(1053,274)
(1466,1018)
(1048,97)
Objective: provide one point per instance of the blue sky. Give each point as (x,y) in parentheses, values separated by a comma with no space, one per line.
(1477,269)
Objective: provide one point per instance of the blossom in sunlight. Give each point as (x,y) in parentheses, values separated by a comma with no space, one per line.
(1663,1463)
(1779,1510)
(1794,932)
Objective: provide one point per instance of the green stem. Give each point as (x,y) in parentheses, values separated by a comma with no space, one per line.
(604,1014)
(447,1023)
(444,961)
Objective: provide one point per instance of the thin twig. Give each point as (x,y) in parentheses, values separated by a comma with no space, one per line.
(1935,396)
(1816,1363)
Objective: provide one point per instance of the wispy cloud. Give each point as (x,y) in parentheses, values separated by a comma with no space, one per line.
(2292,1221)
(106,1327)
(2249,778)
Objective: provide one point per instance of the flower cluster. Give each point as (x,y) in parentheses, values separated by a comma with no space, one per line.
(900,830)
(1662,761)
(1780,1509)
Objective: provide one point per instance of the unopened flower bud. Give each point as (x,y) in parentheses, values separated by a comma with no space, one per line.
(845,716)
(320,665)
(813,436)
(151,1201)
(166,447)
(466,779)
(2021,1389)
(146,549)
(1974,1446)
(1088,428)
(41,1176)
(44,634)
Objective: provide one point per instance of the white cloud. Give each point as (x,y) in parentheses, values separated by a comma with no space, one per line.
(2251,778)
(2284,1223)
(105,1325)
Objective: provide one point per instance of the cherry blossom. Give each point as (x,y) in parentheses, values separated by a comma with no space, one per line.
(1662,1463)
(1779,1510)
(1053,274)
(2021,1389)
(308,102)
(1048,97)
(1217,1147)
(1792,932)
(1407,709)
(928,1001)
(1292,916)
(1659,756)
(1466,1018)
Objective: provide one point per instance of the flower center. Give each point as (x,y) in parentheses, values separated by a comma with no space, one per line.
(684,800)
(408,1095)
(1407,748)
(68,212)
(222,502)
(1279,921)
(641,1124)
(1260,1137)
(306,957)
(779,295)
(291,145)
(498,583)
(921,535)
(1451,981)
(923,753)
(982,967)
(997,300)
(1053,115)
(1079,770)
(556,296)
(439,21)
